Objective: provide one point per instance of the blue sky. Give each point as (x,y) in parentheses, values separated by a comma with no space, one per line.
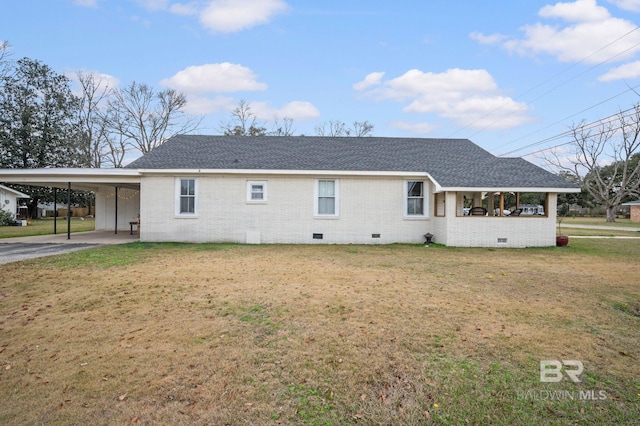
(509,75)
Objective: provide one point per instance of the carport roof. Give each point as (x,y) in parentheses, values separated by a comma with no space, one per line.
(80,178)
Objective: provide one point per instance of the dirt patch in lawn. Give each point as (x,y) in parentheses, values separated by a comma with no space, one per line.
(211,334)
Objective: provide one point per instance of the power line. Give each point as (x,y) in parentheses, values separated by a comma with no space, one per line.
(555,87)
(563,120)
(601,122)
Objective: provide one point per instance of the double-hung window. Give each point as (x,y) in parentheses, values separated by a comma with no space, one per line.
(256,191)
(186,203)
(415,205)
(326,202)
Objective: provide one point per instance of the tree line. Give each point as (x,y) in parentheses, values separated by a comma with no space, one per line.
(44,124)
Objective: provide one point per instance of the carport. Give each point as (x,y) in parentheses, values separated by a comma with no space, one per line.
(117,191)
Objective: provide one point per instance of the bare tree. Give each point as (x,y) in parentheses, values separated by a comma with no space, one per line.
(147,118)
(243,122)
(361,129)
(94,136)
(331,128)
(604,159)
(4,58)
(282,127)
(336,128)
(117,143)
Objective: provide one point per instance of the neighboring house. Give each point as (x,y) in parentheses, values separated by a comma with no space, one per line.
(299,190)
(9,200)
(634,210)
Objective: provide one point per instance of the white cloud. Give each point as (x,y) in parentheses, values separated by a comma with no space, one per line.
(184,9)
(198,81)
(153,5)
(228,16)
(102,80)
(585,32)
(631,5)
(372,79)
(86,3)
(298,110)
(199,105)
(470,97)
(214,78)
(414,128)
(626,71)
(578,11)
(487,39)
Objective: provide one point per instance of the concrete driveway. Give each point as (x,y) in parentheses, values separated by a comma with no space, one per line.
(22,248)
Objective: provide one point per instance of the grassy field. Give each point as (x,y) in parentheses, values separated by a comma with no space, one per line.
(45,227)
(321,335)
(600,221)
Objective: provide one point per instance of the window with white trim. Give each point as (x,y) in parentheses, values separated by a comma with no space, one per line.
(414,198)
(326,200)
(186,200)
(257,191)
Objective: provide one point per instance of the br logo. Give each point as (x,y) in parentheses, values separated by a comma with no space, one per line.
(551,370)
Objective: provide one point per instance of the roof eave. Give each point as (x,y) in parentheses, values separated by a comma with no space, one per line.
(264,172)
(508,189)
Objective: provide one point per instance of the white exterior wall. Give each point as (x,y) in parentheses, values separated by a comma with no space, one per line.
(11,205)
(367,205)
(484,231)
(128,208)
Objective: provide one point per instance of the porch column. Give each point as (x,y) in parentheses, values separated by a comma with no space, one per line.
(68,210)
(116,218)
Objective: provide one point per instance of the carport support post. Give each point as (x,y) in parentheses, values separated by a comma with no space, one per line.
(68,210)
(55,210)
(116,210)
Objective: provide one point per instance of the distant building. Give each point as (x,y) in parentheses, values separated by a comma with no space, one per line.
(634,210)
(9,200)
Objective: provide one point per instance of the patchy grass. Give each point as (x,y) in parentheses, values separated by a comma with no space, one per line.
(45,227)
(320,335)
(600,221)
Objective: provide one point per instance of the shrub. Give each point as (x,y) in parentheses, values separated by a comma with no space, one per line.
(6,218)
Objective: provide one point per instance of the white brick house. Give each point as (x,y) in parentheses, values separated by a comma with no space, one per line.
(303,190)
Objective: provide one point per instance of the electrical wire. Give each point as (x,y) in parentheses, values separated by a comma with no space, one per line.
(618,117)
(563,120)
(555,87)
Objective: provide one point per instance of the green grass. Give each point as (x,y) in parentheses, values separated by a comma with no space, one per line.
(321,335)
(45,227)
(600,221)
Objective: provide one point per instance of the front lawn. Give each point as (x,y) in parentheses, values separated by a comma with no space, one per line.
(321,335)
(45,227)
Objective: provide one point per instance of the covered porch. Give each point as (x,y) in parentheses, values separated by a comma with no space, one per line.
(496,217)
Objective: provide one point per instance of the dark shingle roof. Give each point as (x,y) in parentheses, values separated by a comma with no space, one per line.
(451,162)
